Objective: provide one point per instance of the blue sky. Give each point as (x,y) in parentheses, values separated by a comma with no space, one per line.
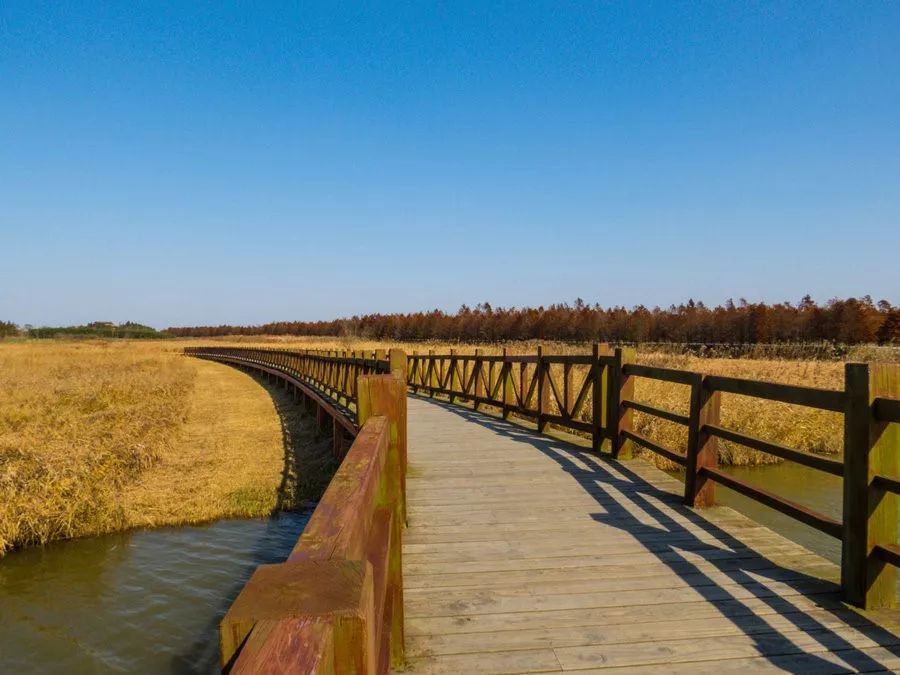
(193,163)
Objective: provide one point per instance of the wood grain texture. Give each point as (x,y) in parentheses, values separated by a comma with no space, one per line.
(288,647)
(528,554)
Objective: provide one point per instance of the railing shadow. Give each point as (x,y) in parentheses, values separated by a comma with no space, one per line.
(308,465)
(590,472)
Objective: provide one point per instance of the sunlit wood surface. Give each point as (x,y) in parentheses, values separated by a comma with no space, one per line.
(528,554)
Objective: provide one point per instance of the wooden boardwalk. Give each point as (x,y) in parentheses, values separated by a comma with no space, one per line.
(526,554)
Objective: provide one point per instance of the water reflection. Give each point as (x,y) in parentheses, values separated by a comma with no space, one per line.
(147,601)
(817,490)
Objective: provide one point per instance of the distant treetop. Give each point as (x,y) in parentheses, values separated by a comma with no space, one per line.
(100,329)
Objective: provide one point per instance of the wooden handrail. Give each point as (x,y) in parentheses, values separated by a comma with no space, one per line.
(341,587)
(336,604)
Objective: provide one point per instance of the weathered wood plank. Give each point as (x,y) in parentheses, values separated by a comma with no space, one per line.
(551,636)
(526,554)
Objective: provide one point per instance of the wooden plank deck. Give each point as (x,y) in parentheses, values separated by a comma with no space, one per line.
(527,554)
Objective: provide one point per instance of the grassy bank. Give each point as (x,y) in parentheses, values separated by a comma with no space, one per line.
(101,436)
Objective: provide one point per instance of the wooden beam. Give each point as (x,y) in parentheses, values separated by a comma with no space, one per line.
(703,447)
(871,447)
(622,417)
(340,592)
(478,390)
(543,390)
(385,396)
(509,393)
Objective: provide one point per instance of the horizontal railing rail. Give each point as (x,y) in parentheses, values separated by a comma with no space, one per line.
(524,386)
(331,375)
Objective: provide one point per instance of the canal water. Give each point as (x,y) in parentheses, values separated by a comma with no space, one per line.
(814,489)
(146,601)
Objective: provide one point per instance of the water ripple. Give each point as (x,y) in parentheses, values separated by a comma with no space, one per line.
(147,601)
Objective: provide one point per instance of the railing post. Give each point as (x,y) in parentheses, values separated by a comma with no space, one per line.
(543,391)
(509,395)
(478,369)
(621,388)
(454,376)
(702,448)
(322,418)
(399,364)
(414,375)
(338,444)
(385,395)
(431,377)
(870,512)
(599,392)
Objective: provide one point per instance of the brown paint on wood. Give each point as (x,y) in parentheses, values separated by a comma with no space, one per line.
(542,376)
(399,363)
(339,525)
(340,591)
(385,395)
(477,369)
(303,646)
(620,415)
(703,447)
(871,447)
(508,386)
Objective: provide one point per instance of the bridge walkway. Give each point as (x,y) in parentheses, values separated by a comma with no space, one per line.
(525,553)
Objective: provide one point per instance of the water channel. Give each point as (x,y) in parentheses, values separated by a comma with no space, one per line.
(146,601)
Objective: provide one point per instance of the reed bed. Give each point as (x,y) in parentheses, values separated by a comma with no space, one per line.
(100,436)
(78,421)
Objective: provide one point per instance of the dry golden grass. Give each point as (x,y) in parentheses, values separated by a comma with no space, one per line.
(99,436)
(237,455)
(806,429)
(78,421)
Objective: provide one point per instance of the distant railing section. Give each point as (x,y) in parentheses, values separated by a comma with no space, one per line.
(336,604)
(332,375)
(594,395)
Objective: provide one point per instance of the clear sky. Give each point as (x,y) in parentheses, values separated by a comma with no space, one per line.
(192,163)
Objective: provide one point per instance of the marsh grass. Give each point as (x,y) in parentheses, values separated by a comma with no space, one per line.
(99,436)
(77,423)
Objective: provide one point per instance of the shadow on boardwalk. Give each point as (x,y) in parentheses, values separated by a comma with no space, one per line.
(616,487)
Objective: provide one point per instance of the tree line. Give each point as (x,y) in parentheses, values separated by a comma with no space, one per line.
(847,321)
(98,329)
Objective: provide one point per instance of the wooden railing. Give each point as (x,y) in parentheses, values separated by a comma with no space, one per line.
(336,604)
(523,385)
(330,375)
(594,395)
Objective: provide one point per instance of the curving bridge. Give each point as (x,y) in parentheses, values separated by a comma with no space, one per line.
(515,534)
